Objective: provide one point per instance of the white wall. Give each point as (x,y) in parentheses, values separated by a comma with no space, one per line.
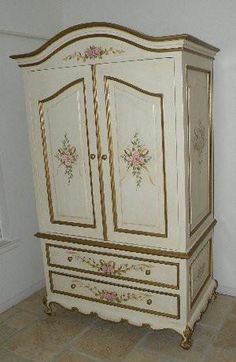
(214,22)
(21,270)
(39,17)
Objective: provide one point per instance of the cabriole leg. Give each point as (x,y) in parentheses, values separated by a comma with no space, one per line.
(186,342)
(47,306)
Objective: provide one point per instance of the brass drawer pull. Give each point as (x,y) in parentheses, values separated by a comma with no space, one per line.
(149,301)
(92,156)
(73,286)
(104,157)
(148,272)
(69,258)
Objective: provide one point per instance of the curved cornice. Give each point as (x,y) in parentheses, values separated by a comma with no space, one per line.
(111,26)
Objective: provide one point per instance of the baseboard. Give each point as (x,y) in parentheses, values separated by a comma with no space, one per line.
(22,295)
(222,289)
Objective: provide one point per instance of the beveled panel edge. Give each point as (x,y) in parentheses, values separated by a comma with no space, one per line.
(173,316)
(111,157)
(115,27)
(136,249)
(143,281)
(210,151)
(192,301)
(41,102)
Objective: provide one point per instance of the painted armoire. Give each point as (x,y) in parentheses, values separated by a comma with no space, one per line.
(120,125)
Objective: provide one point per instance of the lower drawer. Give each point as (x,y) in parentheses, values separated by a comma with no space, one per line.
(143,300)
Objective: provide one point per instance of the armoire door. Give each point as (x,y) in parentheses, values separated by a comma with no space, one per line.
(63,135)
(137,116)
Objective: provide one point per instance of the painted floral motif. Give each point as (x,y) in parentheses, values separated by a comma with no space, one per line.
(93,52)
(110,267)
(111,296)
(67,156)
(199,140)
(200,272)
(136,156)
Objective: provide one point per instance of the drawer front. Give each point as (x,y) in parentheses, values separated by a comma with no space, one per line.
(200,271)
(154,272)
(143,300)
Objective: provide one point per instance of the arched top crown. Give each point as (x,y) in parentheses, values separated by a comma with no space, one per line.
(93,42)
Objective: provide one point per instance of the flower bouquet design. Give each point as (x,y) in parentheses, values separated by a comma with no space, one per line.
(93,52)
(136,156)
(67,156)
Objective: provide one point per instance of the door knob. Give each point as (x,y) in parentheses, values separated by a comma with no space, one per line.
(92,156)
(104,157)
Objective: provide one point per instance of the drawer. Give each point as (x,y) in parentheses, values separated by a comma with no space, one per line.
(200,271)
(142,270)
(143,300)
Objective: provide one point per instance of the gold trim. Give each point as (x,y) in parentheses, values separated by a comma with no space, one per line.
(47,306)
(99,151)
(45,156)
(210,171)
(136,249)
(163,285)
(116,27)
(186,342)
(111,158)
(209,245)
(173,316)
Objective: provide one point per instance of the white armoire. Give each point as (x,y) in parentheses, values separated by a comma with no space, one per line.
(120,125)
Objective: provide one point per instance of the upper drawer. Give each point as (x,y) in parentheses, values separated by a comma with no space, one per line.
(155,272)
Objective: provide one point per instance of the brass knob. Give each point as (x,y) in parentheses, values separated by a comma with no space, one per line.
(69,258)
(92,156)
(149,301)
(73,286)
(104,157)
(148,272)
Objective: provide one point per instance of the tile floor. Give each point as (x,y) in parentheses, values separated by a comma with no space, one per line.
(27,334)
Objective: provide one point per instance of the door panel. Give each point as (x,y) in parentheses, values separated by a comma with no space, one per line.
(200,144)
(136,151)
(66,156)
(137,101)
(65,132)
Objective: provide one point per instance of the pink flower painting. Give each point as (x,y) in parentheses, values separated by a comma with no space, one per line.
(93,52)
(109,296)
(136,156)
(108,269)
(67,157)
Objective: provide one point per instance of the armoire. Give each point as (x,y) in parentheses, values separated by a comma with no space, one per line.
(120,126)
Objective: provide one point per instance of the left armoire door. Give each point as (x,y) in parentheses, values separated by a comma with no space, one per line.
(64,150)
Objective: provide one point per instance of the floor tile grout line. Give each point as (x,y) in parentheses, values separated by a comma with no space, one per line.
(18,332)
(15,354)
(142,339)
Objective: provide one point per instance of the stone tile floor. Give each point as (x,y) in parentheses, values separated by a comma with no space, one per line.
(27,334)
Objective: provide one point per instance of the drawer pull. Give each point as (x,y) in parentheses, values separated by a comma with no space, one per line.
(73,286)
(70,258)
(104,157)
(92,156)
(148,272)
(149,301)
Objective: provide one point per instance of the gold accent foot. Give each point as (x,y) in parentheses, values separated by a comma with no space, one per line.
(214,293)
(186,342)
(47,306)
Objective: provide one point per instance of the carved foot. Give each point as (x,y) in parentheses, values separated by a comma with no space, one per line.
(214,293)
(47,306)
(186,342)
